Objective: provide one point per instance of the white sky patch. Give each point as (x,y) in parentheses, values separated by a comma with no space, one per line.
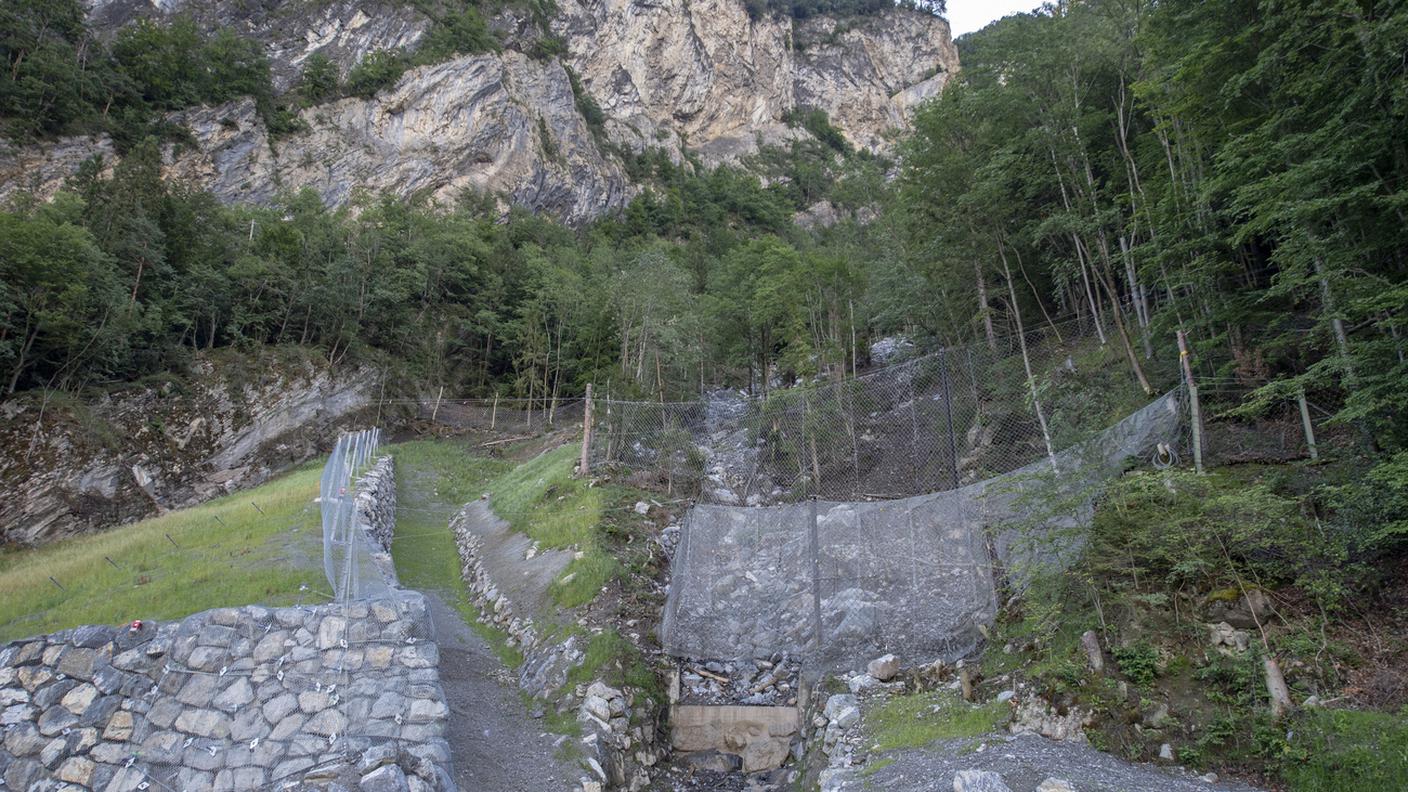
(966,16)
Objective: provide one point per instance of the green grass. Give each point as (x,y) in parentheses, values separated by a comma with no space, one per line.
(221,553)
(541,499)
(433,480)
(1346,750)
(920,718)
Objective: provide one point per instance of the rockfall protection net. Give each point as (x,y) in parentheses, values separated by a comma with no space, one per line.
(837,581)
(347,549)
(931,423)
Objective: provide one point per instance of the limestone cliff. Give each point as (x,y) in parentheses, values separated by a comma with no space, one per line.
(72,467)
(700,74)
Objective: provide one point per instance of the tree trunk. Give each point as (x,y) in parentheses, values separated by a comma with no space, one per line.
(1026,361)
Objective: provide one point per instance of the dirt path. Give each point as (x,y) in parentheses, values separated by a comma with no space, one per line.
(495,744)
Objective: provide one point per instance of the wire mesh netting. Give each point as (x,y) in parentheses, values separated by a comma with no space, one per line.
(932,423)
(503,416)
(833,581)
(347,549)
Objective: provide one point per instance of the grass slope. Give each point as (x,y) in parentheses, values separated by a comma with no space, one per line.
(221,553)
(540,498)
(433,480)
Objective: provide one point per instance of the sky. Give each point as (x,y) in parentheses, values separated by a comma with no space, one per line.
(966,16)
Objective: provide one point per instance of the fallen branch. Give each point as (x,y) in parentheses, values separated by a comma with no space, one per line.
(505,440)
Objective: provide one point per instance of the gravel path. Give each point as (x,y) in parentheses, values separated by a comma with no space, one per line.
(495,744)
(1024,762)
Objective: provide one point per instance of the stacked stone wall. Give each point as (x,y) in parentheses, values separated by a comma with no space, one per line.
(245,698)
(375,506)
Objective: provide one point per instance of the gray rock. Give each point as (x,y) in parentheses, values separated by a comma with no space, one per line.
(843,710)
(388,778)
(978,781)
(884,668)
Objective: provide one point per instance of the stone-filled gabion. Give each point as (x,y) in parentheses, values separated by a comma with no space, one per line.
(230,699)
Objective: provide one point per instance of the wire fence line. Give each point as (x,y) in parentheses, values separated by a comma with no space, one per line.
(932,423)
(347,546)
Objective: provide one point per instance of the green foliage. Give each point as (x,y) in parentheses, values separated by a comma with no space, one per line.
(62,79)
(1372,512)
(1212,533)
(586,104)
(319,80)
(1139,662)
(815,121)
(1230,168)
(459,31)
(1345,750)
(379,69)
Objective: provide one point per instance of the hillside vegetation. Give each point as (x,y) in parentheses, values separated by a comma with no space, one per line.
(1235,171)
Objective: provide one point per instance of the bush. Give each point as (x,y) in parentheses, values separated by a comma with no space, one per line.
(380,69)
(816,122)
(320,79)
(460,32)
(1373,512)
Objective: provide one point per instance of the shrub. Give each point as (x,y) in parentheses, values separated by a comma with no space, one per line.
(380,69)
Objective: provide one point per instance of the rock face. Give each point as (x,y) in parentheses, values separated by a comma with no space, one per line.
(137,452)
(705,70)
(342,696)
(667,73)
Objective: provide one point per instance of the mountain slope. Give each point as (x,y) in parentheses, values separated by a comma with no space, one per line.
(701,77)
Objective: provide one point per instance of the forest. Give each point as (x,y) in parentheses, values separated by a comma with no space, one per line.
(1234,170)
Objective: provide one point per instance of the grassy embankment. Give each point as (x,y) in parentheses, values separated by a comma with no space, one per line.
(541,499)
(220,553)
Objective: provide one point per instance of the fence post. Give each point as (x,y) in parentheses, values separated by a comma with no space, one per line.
(436,411)
(1305,423)
(948,414)
(494,413)
(814,549)
(1193,406)
(586,466)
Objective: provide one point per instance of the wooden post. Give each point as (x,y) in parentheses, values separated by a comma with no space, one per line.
(1305,423)
(436,411)
(1193,405)
(494,413)
(585,468)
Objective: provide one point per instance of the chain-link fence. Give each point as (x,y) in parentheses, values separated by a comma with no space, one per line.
(347,549)
(507,417)
(932,423)
(917,576)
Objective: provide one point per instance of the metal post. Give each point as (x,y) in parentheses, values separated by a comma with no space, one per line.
(494,414)
(585,468)
(1305,423)
(948,415)
(815,551)
(1194,408)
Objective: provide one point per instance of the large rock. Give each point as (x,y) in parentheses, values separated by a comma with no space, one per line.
(705,71)
(663,71)
(978,781)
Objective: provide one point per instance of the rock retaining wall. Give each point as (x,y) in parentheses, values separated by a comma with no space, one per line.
(618,742)
(376,511)
(245,698)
